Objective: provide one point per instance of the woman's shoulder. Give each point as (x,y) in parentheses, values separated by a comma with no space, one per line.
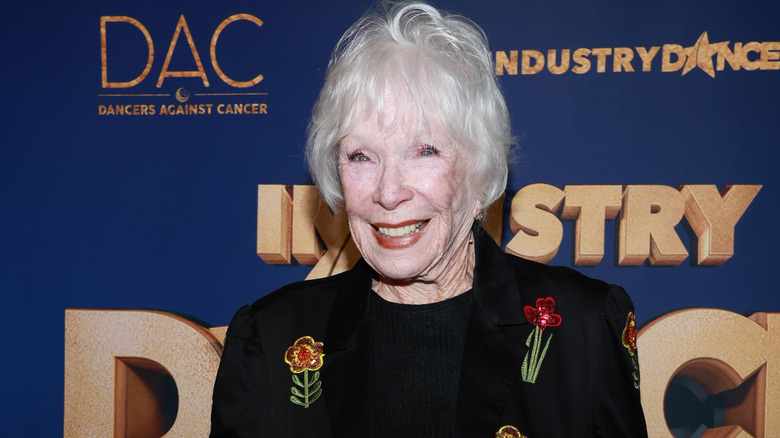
(530,271)
(301,292)
(303,306)
(569,287)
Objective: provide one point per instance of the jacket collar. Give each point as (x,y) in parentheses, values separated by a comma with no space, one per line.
(495,291)
(493,353)
(349,308)
(495,285)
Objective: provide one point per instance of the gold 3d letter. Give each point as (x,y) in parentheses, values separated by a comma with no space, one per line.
(647,223)
(341,252)
(114,363)
(590,206)
(719,350)
(306,246)
(532,217)
(713,215)
(274,223)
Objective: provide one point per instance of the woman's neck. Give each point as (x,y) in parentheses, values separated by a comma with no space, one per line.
(453,280)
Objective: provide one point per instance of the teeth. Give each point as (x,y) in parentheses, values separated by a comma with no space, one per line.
(400,231)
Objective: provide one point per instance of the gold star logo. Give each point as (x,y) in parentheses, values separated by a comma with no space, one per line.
(700,55)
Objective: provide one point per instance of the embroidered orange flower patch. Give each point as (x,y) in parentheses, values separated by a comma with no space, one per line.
(305,355)
(629,333)
(509,432)
(629,341)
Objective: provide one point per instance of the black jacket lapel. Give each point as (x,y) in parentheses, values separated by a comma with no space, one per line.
(346,374)
(495,343)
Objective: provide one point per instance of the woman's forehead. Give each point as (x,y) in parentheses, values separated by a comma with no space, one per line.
(396,109)
(399,124)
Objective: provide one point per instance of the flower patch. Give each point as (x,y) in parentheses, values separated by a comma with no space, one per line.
(629,341)
(305,355)
(542,316)
(509,432)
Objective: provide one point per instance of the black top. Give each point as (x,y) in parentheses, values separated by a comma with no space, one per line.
(416,354)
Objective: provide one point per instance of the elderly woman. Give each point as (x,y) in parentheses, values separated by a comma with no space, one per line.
(435,332)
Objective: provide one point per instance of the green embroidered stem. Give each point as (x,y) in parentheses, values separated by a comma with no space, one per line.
(541,358)
(532,362)
(311,389)
(635,374)
(535,357)
(524,369)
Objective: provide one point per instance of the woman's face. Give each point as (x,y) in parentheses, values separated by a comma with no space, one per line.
(409,206)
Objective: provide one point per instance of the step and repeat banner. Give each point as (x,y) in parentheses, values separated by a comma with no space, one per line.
(153,181)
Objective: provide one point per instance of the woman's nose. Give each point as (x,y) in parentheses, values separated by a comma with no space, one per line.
(392,190)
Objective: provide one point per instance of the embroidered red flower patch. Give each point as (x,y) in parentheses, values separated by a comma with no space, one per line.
(543,315)
(305,354)
(509,432)
(629,333)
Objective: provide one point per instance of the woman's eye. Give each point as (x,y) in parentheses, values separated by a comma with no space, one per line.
(429,150)
(357,156)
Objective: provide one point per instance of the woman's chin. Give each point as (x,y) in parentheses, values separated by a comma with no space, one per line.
(398,274)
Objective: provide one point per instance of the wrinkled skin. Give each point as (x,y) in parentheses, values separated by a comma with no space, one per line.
(410,209)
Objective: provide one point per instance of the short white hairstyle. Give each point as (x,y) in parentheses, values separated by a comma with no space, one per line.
(442,62)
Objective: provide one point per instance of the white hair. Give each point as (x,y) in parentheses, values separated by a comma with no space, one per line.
(442,62)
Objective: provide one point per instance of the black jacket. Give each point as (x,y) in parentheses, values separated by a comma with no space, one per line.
(586,385)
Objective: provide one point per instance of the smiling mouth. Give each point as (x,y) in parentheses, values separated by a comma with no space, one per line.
(401,231)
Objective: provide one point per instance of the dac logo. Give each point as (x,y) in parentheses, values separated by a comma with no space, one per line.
(165,72)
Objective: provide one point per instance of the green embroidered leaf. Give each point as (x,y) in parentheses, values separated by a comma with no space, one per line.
(315,387)
(315,396)
(295,400)
(314,377)
(528,341)
(535,352)
(524,369)
(297,380)
(297,392)
(532,362)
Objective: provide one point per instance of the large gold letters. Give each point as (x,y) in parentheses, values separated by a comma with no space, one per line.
(719,350)
(104,51)
(538,230)
(716,348)
(109,358)
(165,73)
(295,221)
(713,215)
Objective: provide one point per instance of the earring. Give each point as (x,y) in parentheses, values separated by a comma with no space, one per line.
(479,217)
